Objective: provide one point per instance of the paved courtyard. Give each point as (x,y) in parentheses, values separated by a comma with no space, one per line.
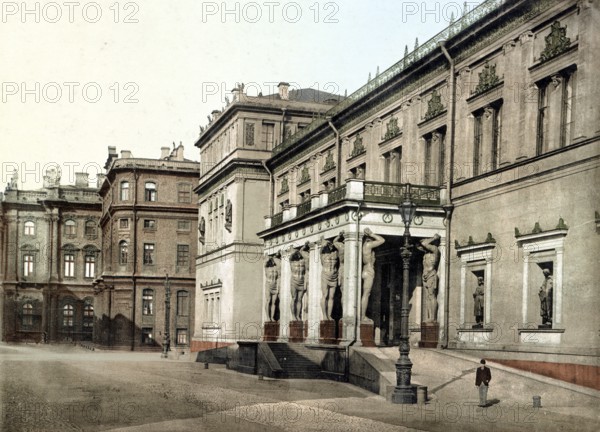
(68,388)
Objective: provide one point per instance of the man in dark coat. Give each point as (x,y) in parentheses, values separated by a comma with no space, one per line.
(482,380)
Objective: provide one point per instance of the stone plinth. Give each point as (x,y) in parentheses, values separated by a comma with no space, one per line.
(296,331)
(429,335)
(271,331)
(327,332)
(367,334)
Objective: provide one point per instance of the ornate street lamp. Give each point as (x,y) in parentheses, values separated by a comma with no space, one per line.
(167,336)
(405,392)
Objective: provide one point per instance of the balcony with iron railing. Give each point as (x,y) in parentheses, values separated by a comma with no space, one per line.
(367,192)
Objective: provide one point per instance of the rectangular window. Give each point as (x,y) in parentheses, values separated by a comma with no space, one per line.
(147,302)
(434,158)
(147,336)
(90,266)
(149,224)
(268,135)
(148,253)
(124,223)
(556,107)
(150,191)
(249,134)
(90,228)
(212,308)
(182,336)
(183,255)
(184,193)
(184,225)
(124,191)
(486,142)
(28,265)
(69,265)
(182,303)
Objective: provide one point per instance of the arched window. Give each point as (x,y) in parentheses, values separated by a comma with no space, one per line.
(123,251)
(124,191)
(88,316)
(90,265)
(29,228)
(70,227)
(27,314)
(90,228)
(182,303)
(68,312)
(150,191)
(69,264)
(147,302)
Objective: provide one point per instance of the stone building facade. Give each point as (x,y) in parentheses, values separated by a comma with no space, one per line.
(232,191)
(149,235)
(50,253)
(494,123)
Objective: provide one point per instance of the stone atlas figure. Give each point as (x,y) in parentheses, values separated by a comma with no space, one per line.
(431,261)
(478,297)
(338,242)
(299,261)
(329,277)
(371,241)
(272,284)
(545,295)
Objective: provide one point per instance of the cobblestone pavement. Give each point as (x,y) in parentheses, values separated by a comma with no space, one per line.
(65,388)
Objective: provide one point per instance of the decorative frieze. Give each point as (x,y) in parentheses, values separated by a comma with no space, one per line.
(488,79)
(434,106)
(557,42)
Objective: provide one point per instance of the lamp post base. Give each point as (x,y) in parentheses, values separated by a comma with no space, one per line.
(405,394)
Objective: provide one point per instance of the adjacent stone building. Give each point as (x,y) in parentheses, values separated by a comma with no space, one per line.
(233,193)
(50,253)
(149,235)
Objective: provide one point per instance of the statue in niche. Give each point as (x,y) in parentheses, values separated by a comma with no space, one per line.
(545,294)
(228,215)
(202,228)
(431,261)
(478,304)
(329,277)
(299,261)
(272,282)
(371,241)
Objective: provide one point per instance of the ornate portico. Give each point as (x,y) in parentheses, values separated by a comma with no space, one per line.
(348,210)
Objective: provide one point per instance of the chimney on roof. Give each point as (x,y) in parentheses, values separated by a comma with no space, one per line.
(284,90)
(125,154)
(179,152)
(164,152)
(82,180)
(99,180)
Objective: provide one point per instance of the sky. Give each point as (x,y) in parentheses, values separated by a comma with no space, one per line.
(80,76)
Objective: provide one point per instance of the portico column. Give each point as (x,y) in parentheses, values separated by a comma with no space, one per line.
(525,286)
(558,276)
(314,294)
(441,318)
(285,297)
(352,284)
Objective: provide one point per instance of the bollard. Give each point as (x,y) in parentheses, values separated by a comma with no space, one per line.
(205,365)
(421,395)
(537,401)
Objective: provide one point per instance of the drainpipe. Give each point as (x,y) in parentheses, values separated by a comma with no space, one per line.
(272,187)
(339,150)
(449,207)
(282,134)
